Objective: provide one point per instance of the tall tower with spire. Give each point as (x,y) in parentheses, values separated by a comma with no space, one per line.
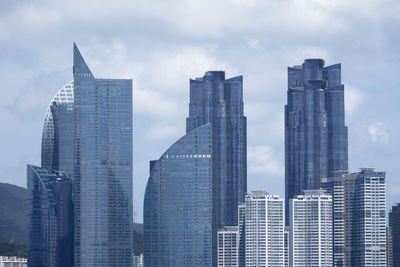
(102,169)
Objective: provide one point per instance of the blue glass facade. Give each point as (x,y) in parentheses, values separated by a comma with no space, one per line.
(178,204)
(219,101)
(315,131)
(58,132)
(102,169)
(50,213)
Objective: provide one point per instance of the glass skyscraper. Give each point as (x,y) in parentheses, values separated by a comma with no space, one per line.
(215,103)
(219,101)
(315,131)
(58,132)
(50,209)
(102,169)
(394,227)
(178,204)
(50,217)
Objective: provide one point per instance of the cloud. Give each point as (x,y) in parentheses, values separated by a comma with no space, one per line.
(353,99)
(262,160)
(378,133)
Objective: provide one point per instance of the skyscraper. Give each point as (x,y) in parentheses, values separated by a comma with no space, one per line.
(219,101)
(264,226)
(102,169)
(50,209)
(228,246)
(58,132)
(242,234)
(359,214)
(310,225)
(315,131)
(394,226)
(178,204)
(342,191)
(50,216)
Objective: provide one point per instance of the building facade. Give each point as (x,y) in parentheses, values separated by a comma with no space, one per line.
(264,229)
(389,247)
(58,132)
(394,227)
(311,233)
(102,169)
(228,246)
(13,262)
(50,213)
(138,261)
(339,187)
(178,204)
(369,247)
(286,245)
(219,101)
(359,214)
(242,234)
(315,131)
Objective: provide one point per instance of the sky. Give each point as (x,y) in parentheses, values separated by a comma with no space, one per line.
(162,44)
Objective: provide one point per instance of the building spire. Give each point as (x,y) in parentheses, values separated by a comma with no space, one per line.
(80,68)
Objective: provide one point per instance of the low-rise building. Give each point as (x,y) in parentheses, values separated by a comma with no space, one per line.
(6,261)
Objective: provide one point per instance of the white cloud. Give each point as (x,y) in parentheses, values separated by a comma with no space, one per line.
(353,99)
(378,133)
(262,160)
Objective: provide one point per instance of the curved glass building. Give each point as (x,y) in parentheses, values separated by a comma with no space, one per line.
(58,132)
(50,231)
(178,204)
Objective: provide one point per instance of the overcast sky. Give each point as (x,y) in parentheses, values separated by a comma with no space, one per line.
(161,44)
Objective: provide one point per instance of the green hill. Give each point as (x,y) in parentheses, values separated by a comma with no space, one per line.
(13,217)
(13,222)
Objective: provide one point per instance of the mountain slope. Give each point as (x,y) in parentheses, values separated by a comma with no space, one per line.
(13,222)
(13,219)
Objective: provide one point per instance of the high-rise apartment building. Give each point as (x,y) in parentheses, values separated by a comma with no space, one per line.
(102,169)
(138,261)
(359,206)
(219,101)
(389,247)
(242,234)
(6,261)
(228,246)
(286,246)
(315,131)
(310,226)
(264,229)
(50,217)
(394,226)
(339,187)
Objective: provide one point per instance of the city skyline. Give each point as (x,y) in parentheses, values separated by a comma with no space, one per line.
(161,60)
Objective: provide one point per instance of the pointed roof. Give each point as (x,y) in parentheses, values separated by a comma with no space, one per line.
(80,67)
